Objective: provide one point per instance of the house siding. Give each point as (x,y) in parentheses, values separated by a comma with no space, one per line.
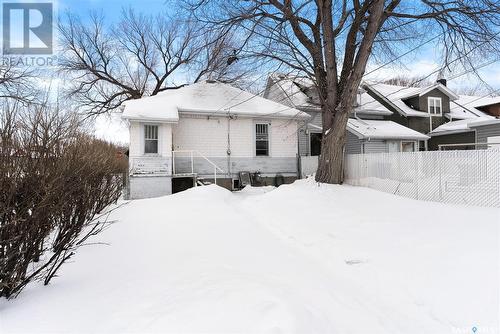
(455,138)
(420,124)
(210,138)
(414,102)
(353,144)
(374,146)
(303,135)
(445,100)
(485,131)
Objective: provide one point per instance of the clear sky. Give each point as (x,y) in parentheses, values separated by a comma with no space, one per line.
(112,8)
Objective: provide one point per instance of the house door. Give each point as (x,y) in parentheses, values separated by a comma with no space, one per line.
(393,146)
(315,143)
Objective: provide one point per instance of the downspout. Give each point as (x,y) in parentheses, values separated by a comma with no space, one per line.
(229,147)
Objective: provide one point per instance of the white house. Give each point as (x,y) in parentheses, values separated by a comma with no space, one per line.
(208,131)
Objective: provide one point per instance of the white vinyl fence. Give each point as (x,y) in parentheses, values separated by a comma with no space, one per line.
(461,177)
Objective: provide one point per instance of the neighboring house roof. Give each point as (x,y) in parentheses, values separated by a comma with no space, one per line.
(375,129)
(420,91)
(463,125)
(300,92)
(394,95)
(291,91)
(489,121)
(367,105)
(206,98)
(466,106)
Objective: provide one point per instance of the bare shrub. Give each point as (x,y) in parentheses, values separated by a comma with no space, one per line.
(56,184)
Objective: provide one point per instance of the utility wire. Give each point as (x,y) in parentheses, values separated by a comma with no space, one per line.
(436,71)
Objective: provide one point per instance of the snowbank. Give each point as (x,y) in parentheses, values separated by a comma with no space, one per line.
(301,258)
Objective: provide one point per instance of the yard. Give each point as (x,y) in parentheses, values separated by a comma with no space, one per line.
(302,258)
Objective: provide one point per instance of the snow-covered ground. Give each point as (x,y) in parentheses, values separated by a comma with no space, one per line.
(302,258)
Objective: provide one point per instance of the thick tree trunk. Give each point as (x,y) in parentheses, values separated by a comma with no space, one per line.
(331,159)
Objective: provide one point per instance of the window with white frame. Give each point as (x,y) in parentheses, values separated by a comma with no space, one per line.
(150,138)
(408,146)
(434,105)
(262,139)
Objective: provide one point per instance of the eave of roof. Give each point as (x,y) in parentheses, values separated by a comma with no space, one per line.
(382,96)
(412,136)
(219,113)
(439,86)
(449,132)
(486,122)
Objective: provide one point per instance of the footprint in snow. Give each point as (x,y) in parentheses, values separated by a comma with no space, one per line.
(355,262)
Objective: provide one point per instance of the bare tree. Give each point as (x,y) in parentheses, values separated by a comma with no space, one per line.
(16,83)
(476,90)
(331,43)
(140,56)
(408,81)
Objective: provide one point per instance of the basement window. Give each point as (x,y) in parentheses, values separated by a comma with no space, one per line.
(151,139)
(262,139)
(434,105)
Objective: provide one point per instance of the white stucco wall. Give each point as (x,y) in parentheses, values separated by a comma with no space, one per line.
(210,136)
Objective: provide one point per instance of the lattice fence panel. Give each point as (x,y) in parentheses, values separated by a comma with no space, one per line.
(461,177)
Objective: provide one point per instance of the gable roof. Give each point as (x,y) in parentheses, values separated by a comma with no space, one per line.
(375,129)
(300,92)
(394,95)
(420,91)
(206,98)
(292,91)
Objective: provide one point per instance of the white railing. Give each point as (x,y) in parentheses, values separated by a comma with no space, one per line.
(183,162)
(461,177)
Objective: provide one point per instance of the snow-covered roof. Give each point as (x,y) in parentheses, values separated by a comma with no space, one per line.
(424,90)
(291,90)
(301,93)
(482,122)
(375,129)
(367,105)
(207,98)
(463,125)
(394,95)
(466,106)
(152,108)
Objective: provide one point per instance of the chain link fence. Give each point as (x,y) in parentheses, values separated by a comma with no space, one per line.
(460,177)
